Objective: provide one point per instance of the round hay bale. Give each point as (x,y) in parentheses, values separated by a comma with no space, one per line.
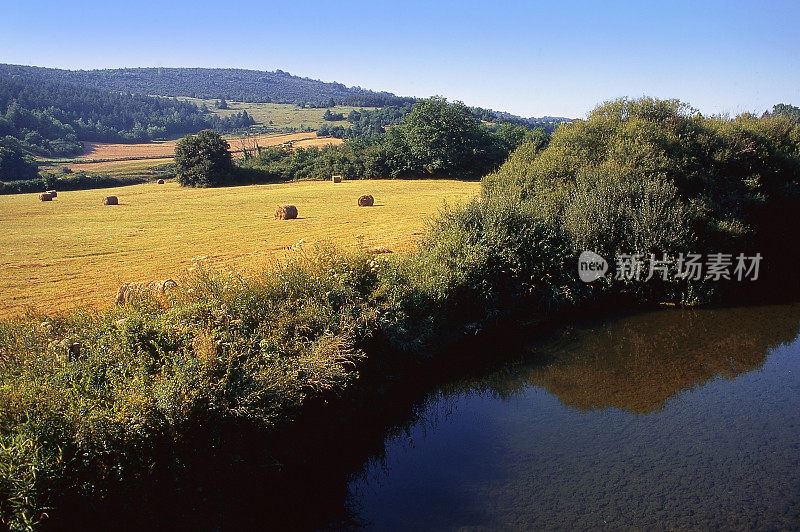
(286,212)
(336,178)
(160,181)
(53,193)
(366,200)
(110,200)
(46,197)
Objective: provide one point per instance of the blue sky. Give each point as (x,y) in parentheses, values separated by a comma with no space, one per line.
(530,58)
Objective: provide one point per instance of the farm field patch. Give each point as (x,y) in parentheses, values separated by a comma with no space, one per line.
(75,252)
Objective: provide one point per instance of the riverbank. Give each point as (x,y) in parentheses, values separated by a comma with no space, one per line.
(232,472)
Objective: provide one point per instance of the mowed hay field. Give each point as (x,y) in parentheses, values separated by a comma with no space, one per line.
(75,252)
(100,156)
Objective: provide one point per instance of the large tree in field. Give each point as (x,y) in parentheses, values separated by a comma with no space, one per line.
(446,138)
(203,160)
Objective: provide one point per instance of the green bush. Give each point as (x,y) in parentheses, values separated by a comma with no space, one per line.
(203,160)
(652,176)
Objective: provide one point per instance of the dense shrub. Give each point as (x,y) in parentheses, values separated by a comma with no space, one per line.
(655,177)
(253,349)
(14,164)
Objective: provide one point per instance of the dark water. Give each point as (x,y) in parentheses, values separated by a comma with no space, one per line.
(668,419)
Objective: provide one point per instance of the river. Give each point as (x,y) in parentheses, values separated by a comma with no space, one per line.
(663,419)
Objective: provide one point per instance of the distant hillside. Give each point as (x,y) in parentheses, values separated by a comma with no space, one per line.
(213,83)
(50,110)
(50,117)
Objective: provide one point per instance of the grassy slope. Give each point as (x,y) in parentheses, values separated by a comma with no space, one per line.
(282,115)
(74,251)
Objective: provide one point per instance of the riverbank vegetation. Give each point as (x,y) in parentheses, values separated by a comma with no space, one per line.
(147,378)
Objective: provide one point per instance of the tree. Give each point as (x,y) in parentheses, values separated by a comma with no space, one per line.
(203,160)
(329,116)
(14,165)
(221,104)
(789,111)
(446,138)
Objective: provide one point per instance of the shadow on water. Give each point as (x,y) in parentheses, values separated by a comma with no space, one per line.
(500,432)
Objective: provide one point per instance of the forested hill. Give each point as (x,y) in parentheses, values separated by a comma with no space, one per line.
(51,117)
(213,83)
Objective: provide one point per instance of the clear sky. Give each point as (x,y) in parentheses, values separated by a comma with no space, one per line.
(531,58)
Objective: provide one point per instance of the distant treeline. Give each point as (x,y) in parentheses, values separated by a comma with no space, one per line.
(548,123)
(369,122)
(364,122)
(434,139)
(50,118)
(73,181)
(215,83)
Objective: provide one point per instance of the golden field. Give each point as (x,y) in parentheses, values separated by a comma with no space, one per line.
(75,252)
(103,156)
(105,151)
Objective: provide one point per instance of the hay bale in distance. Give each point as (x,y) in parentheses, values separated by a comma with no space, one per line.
(286,212)
(336,178)
(53,193)
(110,200)
(46,197)
(160,181)
(366,200)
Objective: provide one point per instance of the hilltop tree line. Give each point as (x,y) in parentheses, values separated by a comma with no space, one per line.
(214,84)
(51,119)
(548,123)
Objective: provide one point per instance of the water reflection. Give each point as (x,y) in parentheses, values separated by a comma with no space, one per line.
(637,363)
(665,419)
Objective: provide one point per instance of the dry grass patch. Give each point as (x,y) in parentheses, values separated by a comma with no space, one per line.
(318,142)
